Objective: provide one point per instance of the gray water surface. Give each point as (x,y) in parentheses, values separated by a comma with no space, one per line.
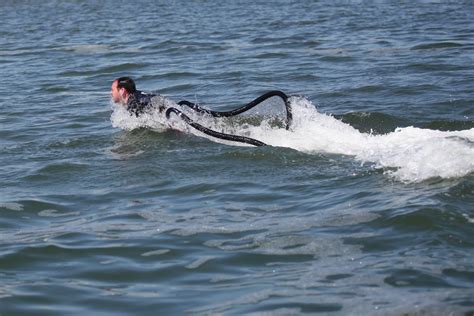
(110,221)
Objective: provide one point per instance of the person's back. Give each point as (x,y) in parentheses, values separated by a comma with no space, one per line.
(140,102)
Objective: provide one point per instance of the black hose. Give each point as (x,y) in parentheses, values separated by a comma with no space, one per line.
(236,138)
(260,99)
(210,132)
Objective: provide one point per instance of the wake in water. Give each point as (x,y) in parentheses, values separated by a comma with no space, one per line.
(409,154)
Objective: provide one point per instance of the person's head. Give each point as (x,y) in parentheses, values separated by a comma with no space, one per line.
(121,89)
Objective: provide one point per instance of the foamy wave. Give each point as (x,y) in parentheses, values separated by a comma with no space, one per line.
(419,154)
(408,154)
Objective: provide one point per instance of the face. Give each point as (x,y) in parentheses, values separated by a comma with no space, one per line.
(115,93)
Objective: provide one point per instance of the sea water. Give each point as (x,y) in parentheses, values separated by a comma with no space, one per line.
(364,206)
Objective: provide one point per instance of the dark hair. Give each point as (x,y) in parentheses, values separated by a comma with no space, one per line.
(127,83)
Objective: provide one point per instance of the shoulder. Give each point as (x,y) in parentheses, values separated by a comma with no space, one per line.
(142,96)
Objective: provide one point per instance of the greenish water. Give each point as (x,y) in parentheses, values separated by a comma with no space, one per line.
(364,207)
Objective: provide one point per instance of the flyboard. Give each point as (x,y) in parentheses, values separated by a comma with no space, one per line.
(235,112)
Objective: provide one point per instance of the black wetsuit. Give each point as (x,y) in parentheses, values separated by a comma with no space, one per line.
(140,102)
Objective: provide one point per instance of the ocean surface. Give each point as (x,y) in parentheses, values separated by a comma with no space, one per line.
(365,206)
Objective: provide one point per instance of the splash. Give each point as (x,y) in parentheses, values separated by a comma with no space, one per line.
(153,119)
(409,154)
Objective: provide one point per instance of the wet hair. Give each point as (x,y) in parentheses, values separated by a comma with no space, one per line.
(127,83)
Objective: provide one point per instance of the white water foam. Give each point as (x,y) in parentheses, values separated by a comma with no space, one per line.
(409,154)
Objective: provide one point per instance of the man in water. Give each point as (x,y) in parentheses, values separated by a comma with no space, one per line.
(124,92)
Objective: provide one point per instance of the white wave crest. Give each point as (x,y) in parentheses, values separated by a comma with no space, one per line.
(409,154)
